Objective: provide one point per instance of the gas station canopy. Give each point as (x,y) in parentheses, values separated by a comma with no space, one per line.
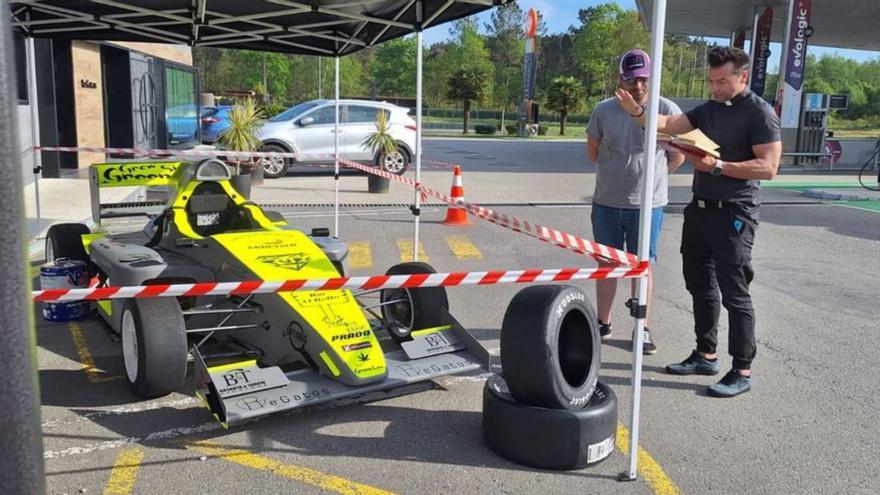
(313,27)
(837,23)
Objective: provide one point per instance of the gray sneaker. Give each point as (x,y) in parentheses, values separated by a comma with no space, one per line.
(648,347)
(695,364)
(731,385)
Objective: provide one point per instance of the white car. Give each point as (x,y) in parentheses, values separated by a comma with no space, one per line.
(308,128)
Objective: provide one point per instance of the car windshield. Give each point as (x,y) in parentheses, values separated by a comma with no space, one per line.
(294,111)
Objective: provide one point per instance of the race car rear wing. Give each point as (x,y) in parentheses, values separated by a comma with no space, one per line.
(130,174)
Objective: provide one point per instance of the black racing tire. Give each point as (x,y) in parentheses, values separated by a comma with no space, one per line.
(418,309)
(550,347)
(543,438)
(64,240)
(153,346)
(272,168)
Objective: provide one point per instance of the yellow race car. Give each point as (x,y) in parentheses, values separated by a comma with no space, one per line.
(253,354)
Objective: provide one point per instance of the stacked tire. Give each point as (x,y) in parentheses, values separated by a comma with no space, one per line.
(548,410)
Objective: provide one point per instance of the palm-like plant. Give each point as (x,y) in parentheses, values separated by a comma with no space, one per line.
(566,95)
(380,141)
(241,135)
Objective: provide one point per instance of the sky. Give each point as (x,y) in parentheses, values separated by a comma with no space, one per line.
(561,14)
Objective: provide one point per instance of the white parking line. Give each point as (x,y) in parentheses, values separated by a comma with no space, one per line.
(118,411)
(124,441)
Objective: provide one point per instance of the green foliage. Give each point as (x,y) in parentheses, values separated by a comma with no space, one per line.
(468,85)
(511,129)
(566,95)
(379,140)
(241,135)
(394,67)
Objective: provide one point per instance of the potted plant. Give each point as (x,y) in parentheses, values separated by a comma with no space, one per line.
(241,135)
(381,143)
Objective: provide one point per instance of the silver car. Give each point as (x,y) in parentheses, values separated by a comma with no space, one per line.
(308,128)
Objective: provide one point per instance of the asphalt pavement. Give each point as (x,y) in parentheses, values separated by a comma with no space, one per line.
(808,426)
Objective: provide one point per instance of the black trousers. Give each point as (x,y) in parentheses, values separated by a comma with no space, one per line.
(716,248)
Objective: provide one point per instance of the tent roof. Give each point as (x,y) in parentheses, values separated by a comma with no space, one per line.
(837,23)
(313,27)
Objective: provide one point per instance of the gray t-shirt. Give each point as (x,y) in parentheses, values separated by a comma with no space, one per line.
(622,156)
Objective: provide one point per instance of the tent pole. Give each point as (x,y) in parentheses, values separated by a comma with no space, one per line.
(418,150)
(647,193)
(21,466)
(37,157)
(336,157)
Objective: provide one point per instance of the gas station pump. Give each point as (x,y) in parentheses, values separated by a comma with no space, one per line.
(813,128)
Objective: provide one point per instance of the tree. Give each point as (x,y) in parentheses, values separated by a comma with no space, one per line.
(566,95)
(506,47)
(394,67)
(468,85)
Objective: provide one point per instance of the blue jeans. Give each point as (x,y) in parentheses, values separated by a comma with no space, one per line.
(619,228)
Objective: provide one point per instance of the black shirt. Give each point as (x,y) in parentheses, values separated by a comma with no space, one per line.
(736,126)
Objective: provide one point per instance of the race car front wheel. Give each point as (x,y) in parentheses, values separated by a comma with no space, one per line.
(405,310)
(153,346)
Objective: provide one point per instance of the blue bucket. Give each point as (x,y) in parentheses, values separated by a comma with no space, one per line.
(65,274)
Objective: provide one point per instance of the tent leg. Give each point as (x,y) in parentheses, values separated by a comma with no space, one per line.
(21,465)
(336,157)
(418,151)
(35,124)
(657,35)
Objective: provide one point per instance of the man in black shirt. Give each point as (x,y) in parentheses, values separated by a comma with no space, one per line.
(721,220)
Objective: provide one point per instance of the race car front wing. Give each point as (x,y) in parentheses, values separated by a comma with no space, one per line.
(235,392)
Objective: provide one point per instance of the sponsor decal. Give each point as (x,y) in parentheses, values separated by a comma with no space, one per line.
(135,174)
(573,296)
(364,357)
(762,51)
(351,335)
(357,347)
(294,261)
(413,371)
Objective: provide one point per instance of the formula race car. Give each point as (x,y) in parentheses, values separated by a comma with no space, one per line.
(253,354)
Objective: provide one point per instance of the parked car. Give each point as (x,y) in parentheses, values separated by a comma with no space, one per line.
(215,120)
(183,123)
(308,128)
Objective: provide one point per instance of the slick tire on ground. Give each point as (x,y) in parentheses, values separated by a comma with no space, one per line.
(416,309)
(64,240)
(557,439)
(550,347)
(154,346)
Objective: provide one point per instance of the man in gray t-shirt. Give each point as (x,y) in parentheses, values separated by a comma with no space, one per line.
(615,144)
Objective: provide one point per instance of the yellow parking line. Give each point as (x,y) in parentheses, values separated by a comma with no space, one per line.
(125,471)
(360,255)
(94,374)
(297,473)
(648,468)
(405,246)
(463,248)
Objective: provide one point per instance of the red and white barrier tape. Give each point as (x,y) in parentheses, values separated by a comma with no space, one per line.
(546,234)
(352,283)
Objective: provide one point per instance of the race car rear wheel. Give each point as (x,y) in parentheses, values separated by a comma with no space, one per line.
(64,240)
(405,310)
(274,167)
(550,347)
(153,346)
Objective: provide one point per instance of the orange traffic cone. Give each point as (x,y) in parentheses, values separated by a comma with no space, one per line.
(454,214)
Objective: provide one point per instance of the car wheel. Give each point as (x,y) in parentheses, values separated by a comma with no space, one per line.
(405,310)
(65,241)
(395,163)
(550,347)
(153,346)
(548,438)
(274,167)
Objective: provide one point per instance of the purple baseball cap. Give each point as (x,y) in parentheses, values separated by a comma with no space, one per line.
(635,63)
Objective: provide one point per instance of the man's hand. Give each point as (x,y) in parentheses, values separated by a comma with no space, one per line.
(627,102)
(703,163)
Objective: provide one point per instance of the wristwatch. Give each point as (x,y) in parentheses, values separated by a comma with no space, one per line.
(719,165)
